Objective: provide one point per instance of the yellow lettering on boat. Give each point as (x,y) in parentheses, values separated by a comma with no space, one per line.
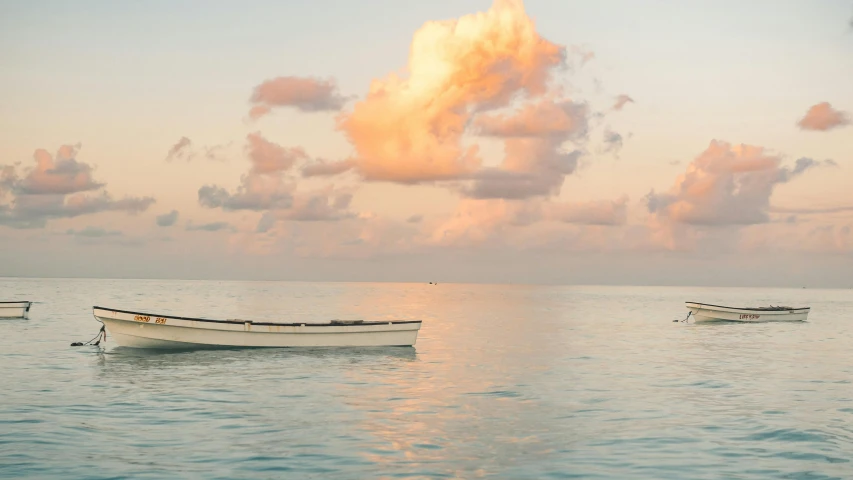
(142,318)
(160,320)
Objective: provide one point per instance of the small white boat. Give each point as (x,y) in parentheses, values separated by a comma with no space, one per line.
(15,309)
(146,330)
(703,312)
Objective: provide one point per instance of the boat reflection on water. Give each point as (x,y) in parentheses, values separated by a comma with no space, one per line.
(213,356)
(130,363)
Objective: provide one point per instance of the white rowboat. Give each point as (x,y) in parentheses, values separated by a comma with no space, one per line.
(703,312)
(145,330)
(14,309)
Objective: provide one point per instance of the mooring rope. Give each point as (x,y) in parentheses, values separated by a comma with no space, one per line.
(102,335)
(685,318)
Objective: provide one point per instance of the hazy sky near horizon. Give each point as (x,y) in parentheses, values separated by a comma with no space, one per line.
(662,141)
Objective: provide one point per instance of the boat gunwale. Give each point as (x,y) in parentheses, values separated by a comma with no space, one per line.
(20,301)
(241,322)
(777,309)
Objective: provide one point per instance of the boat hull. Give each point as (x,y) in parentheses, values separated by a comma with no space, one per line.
(15,309)
(142,330)
(715,313)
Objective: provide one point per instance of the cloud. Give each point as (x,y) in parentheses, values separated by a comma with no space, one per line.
(263,187)
(477,221)
(526,224)
(209,227)
(266,223)
(268,157)
(364,236)
(415,219)
(823,117)
(546,172)
(535,163)
(183,150)
(61,176)
(320,168)
(59,187)
(621,101)
(537,226)
(805,163)
(267,188)
(180,150)
(410,130)
(302,93)
(8,179)
(812,211)
(94,232)
(726,185)
(167,219)
(563,119)
(256,192)
(33,211)
(612,142)
(324,205)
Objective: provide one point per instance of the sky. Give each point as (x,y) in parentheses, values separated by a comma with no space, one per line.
(658,142)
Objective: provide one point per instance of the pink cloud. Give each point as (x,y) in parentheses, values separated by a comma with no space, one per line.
(268,157)
(61,176)
(270,187)
(532,168)
(259,111)
(823,117)
(621,101)
(302,93)
(533,224)
(256,192)
(56,187)
(478,221)
(535,163)
(321,168)
(726,185)
(547,118)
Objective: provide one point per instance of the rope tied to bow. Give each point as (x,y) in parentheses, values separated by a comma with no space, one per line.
(102,335)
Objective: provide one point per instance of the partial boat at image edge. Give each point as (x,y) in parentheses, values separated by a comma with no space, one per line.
(15,309)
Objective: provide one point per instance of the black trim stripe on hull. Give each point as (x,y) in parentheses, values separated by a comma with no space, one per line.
(752,309)
(22,301)
(240,322)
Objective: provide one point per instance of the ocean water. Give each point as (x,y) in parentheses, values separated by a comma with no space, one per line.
(505,381)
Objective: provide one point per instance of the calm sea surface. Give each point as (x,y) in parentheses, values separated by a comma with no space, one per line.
(504,382)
